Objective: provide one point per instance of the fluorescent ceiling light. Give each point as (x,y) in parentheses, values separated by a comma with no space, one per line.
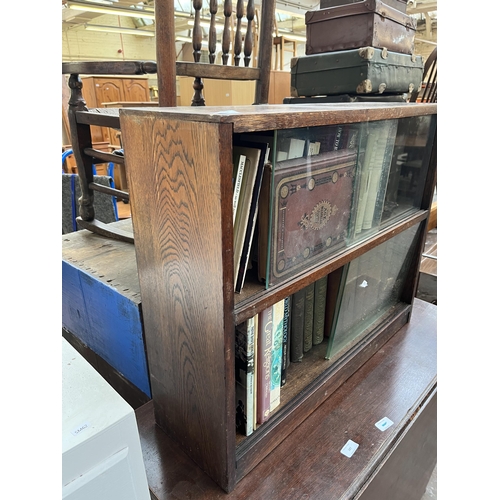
(117,29)
(95,7)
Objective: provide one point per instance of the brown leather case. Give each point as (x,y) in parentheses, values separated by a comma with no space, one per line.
(366,23)
(396,4)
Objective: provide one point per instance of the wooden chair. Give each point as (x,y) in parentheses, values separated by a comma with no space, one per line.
(428,92)
(166,67)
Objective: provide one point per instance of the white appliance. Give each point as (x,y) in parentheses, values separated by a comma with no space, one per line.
(101,451)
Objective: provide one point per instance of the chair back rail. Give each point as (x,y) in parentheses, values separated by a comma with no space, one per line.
(167,68)
(428,93)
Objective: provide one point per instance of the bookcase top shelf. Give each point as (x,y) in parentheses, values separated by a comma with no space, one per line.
(284,116)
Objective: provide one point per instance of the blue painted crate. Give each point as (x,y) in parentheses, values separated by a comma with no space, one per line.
(101,302)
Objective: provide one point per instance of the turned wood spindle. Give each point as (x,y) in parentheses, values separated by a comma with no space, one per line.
(198,99)
(237,37)
(212,33)
(226,35)
(249,35)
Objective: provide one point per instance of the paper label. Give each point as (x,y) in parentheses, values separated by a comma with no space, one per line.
(349,448)
(384,424)
(80,428)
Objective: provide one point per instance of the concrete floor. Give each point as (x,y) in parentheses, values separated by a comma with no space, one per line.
(431,491)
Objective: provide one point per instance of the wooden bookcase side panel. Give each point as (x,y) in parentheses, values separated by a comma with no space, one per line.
(180,183)
(292,415)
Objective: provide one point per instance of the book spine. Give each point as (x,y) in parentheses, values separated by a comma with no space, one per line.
(249,234)
(308,317)
(332,295)
(338,296)
(375,175)
(263,222)
(297,330)
(255,368)
(319,310)
(382,197)
(264,359)
(338,137)
(245,383)
(365,180)
(250,374)
(277,353)
(240,168)
(286,340)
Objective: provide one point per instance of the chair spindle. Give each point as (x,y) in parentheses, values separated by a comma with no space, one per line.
(249,33)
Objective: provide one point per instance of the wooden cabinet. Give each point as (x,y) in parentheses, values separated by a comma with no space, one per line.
(99,90)
(180,164)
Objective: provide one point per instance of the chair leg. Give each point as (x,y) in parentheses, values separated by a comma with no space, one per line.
(80,139)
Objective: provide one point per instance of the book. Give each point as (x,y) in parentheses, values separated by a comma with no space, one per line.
(256,370)
(310,211)
(264,353)
(340,279)
(244,201)
(376,186)
(332,296)
(337,144)
(277,353)
(263,223)
(239,167)
(296,148)
(308,317)
(374,168)
(286,339)
(297,326)
(244,374)
(253,213)
(320,287)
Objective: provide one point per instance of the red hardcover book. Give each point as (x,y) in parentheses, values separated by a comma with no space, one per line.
(265,347)
(310,211)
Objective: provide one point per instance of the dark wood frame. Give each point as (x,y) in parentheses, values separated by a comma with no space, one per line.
(166,67)
(183,235)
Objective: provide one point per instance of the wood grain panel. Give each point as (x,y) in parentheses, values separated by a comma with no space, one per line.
(182,247)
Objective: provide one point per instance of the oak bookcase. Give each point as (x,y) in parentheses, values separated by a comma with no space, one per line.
(179,168)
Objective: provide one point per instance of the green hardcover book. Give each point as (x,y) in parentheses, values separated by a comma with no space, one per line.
(320,288)
(308,317)
(297,330)
(332,295)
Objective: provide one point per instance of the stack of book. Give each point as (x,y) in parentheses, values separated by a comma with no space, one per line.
(262,359)
(249,159)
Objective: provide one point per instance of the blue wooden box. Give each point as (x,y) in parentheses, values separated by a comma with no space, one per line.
(101,302)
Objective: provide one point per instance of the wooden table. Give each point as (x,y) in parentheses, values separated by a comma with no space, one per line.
(427,281)
(399,382)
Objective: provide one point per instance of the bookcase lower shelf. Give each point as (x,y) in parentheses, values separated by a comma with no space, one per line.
(398,382)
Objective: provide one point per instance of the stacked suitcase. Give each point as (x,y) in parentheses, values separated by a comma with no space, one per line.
(357,50)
